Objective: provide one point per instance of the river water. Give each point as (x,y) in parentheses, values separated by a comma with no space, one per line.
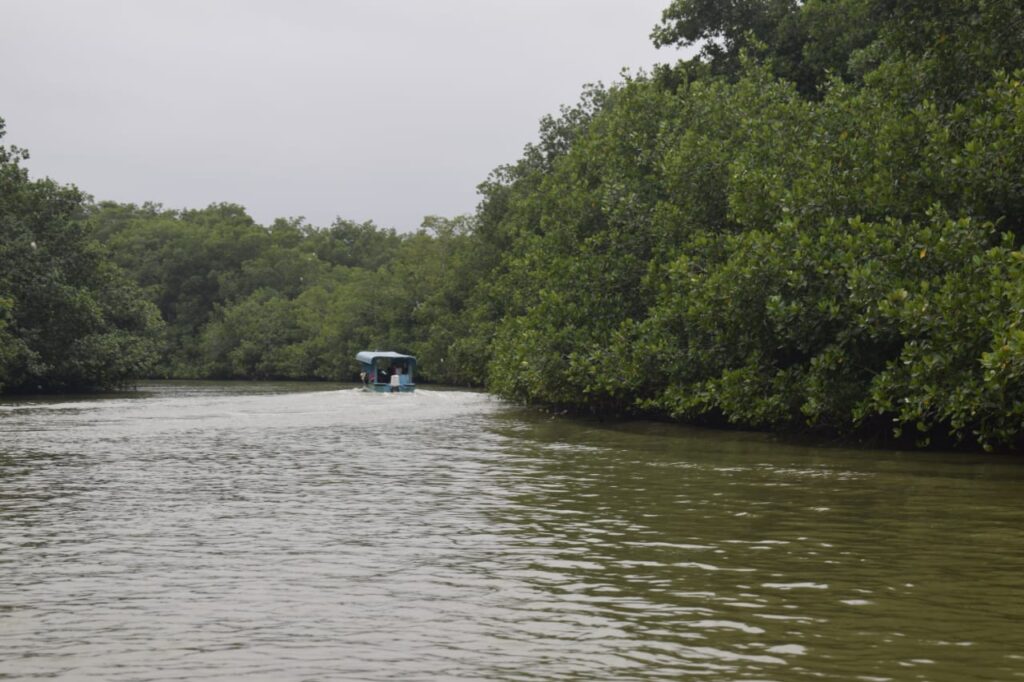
(287,532)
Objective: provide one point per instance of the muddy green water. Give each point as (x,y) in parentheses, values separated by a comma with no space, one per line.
(281,532)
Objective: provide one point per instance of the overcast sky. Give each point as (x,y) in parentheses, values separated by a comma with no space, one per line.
(387,110)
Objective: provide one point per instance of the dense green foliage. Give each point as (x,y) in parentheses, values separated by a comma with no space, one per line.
(93,295)
(69,318)
(778,236)
(814,223)
(290,300)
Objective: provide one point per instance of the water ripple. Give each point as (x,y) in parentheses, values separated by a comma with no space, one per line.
(273,532)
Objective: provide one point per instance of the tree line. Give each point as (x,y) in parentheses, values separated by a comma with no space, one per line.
(812,224)
(98,294)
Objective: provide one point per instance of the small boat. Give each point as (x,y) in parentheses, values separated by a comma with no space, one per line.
(385,371)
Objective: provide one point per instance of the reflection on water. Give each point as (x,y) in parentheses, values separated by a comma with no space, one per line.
(276,532)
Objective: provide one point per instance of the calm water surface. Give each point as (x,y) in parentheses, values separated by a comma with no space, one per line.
(272,532)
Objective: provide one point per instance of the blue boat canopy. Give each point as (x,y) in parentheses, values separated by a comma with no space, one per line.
(387,371)
(368,356)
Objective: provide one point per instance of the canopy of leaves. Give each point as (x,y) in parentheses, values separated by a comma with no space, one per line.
(292,301)
(69,318)
(813,224)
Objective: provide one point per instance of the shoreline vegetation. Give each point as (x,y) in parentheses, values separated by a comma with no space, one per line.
(812,226)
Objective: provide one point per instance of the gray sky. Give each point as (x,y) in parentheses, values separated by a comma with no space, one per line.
(366,109)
